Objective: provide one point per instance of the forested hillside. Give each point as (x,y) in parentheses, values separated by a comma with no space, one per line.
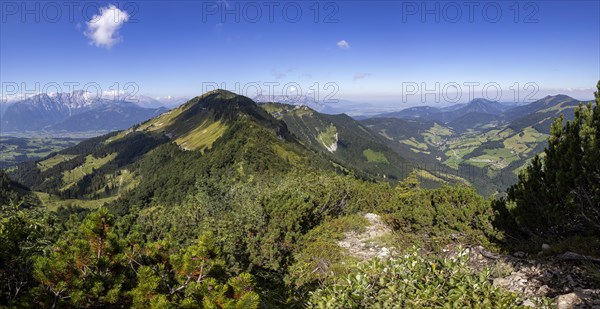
(343,140)
(485,143)
(219,204)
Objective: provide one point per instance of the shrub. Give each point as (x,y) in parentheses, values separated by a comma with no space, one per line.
(558,194)
(444,214)
(414,281)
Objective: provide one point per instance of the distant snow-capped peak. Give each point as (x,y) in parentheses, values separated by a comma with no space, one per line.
(81,99)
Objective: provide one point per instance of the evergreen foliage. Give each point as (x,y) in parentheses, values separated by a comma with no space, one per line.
(559,192)
(413,281)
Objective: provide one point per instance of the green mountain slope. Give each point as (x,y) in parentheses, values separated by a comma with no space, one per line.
(342,139)
(541,113)
(487,150)
(218,135)
(12,193)
(248,215)
(255,185)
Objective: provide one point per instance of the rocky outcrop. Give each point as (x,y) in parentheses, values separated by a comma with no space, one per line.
(564,280)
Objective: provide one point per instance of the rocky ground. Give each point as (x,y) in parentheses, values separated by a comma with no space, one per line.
(566,278)
(366,245)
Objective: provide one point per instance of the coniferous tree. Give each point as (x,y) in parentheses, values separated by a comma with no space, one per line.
(87,267)
(559,192)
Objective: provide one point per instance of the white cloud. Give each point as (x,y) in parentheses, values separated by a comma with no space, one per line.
(343,44)
(359,75)
(103,29)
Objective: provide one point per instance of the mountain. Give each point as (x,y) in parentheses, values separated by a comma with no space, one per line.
(3,107)
(484,149)
(546,102)
(332,106)
(476,108)
(342,139)
(200,121)
(541,113)
(107,117)
(453,107)
(483,106)
(482,113)
(485,142)
(300,100)
(71,112)
(417,112)
(216,131)
(37,112)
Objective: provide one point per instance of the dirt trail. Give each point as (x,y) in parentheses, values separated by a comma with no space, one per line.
(366,245)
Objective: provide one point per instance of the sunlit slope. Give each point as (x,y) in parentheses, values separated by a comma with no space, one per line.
(218,131)
(486,148)
(342,139)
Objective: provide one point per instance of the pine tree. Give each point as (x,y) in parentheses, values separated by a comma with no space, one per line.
(559,192)
(87,267)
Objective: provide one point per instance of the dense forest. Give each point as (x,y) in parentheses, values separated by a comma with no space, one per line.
(256,220)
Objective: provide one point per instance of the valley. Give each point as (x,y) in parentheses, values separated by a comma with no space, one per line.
(15,150)
(489,154)
(35,127)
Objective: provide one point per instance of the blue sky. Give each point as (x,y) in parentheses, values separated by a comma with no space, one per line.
(372,51)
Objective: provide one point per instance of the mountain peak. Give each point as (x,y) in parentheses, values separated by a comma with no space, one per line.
(221,102)
(219,94)
(480,105)
(482,101)
(551,100)
(561,97)
(199,122)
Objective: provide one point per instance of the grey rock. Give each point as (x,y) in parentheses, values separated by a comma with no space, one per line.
(568,301)
(528,303)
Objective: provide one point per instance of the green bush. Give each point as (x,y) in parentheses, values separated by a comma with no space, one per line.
(414,281)
(558,195)
(318,254)
(436,217)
